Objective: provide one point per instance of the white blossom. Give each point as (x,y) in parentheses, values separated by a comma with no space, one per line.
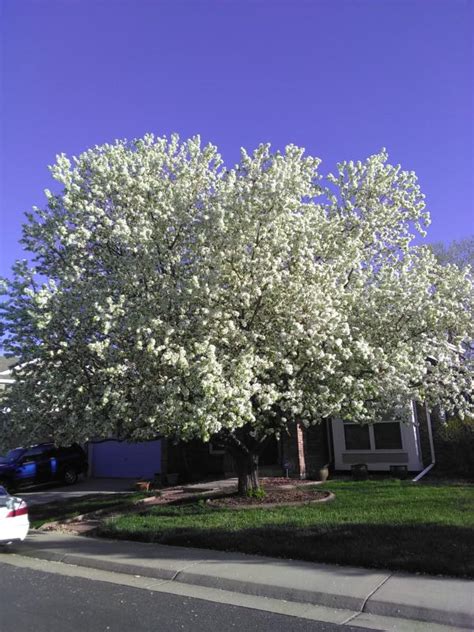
(171,295)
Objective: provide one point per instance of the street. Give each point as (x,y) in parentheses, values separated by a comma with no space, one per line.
(34,600)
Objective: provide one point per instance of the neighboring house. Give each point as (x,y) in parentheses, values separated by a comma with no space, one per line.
(6,377)
(6,380)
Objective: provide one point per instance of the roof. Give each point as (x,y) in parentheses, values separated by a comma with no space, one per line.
(7,363)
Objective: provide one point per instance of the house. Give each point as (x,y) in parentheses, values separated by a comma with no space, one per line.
(301,453)
(387,446)
(6,380)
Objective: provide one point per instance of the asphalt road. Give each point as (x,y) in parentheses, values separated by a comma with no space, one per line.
(32,600)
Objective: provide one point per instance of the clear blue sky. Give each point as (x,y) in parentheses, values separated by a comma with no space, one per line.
(341,78)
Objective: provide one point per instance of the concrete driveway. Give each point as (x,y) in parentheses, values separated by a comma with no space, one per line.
(48,494)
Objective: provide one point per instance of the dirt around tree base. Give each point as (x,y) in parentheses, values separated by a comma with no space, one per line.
(277,491)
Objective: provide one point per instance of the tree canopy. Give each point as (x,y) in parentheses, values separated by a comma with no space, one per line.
(169,294)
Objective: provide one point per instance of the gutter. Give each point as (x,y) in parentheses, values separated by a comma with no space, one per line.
(430,437)
(328,437)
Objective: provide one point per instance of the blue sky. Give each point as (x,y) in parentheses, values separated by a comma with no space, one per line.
(341,78)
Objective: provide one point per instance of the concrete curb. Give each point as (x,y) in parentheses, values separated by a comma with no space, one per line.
(430,599)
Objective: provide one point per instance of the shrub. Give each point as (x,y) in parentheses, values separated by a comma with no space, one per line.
(259,492)
(455,450)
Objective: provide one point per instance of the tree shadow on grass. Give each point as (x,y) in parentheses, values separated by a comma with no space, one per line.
(433,549)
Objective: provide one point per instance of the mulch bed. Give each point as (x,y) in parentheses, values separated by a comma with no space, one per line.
(280,481)
(278,491)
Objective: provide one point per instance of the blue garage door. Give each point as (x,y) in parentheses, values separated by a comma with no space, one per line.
(119,459)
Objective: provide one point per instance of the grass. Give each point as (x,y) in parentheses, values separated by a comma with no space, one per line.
(71,508)
(380,524)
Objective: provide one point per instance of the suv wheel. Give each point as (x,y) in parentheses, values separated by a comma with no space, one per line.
(70,476)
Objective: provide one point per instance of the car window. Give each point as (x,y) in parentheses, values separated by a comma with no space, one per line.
(15,454)
(32,452)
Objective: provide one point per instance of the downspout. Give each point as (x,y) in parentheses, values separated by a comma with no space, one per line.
(430,437)
(328,436)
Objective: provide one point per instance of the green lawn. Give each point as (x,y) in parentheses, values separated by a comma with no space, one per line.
(382,524)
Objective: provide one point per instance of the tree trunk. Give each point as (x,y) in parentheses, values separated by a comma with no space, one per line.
(246,466)
(245,449)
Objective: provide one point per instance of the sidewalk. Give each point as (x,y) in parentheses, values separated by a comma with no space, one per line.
(430,599)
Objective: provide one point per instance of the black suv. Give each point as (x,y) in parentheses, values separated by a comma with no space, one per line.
(42,463)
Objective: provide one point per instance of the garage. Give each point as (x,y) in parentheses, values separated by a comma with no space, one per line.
(120,459)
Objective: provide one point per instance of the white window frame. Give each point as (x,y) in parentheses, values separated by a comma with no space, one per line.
(373,447)
(410,442)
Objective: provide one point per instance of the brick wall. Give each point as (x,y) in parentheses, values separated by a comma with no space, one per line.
(289,451)
(316,449)
(305,450)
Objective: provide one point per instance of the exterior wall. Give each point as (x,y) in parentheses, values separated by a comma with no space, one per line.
(195,460)
(6,375)
(305,450)
(291,452)
(379,459)
(5,383)
(164,457)
(316,449)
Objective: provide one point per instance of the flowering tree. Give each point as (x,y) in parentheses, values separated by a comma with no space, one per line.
(170,295)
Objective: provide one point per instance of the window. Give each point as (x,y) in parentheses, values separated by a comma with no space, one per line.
(382,435)
(34,452)
(216,447)
(387,436)
(356,436)
(14,455)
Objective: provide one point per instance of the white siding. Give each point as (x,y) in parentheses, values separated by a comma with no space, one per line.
(379,460)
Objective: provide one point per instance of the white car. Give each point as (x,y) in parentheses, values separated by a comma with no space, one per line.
(14,523)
